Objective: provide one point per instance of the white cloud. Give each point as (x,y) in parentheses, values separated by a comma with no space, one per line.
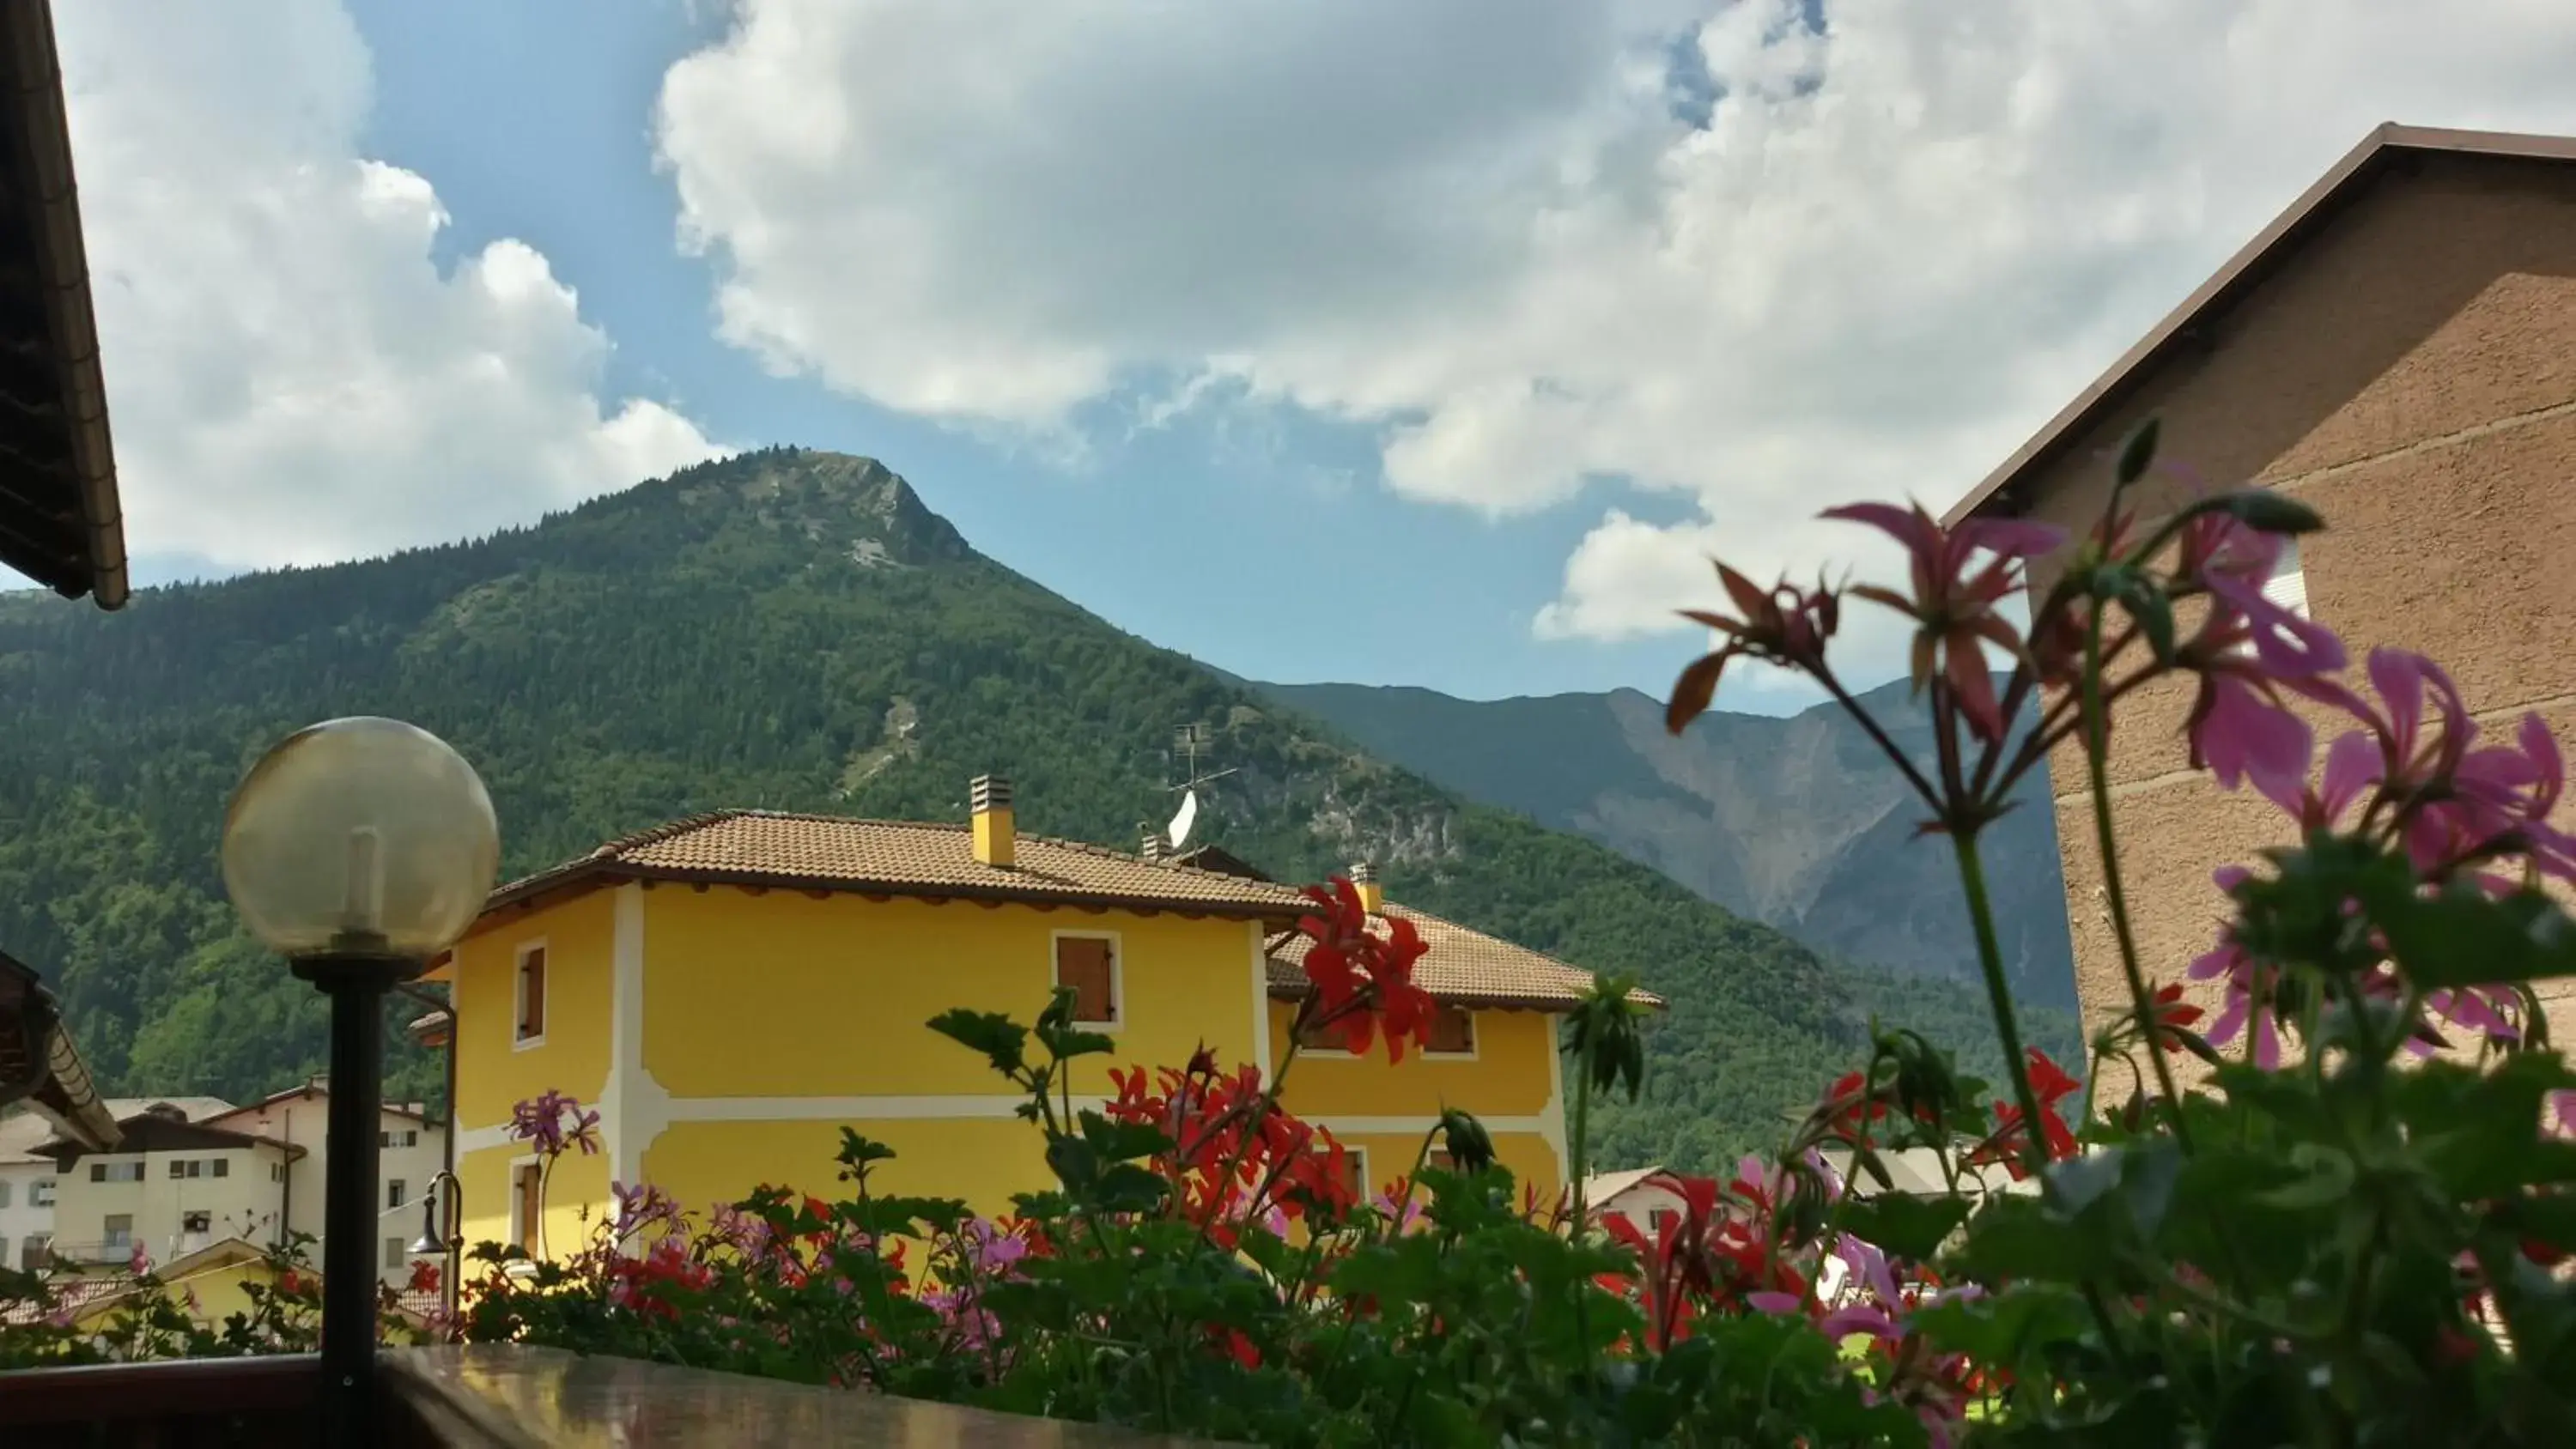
(1488,229)
(291,378)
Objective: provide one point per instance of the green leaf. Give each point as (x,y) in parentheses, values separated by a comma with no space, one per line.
(1003,1042)
(1905,1226)
(2137,453)
(2329,1177)
(2266,511)
(1121,1141)
(2023,1238)
(2146,602)
(2462,938)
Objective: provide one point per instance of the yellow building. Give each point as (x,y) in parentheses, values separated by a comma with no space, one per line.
(209,1285)
(730,990)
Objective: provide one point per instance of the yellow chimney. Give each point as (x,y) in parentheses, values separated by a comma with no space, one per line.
(991,802)
(1372,895)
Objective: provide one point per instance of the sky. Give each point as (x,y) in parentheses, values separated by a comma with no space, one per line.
(1437,344)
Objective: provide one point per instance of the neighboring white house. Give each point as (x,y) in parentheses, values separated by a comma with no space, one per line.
(1647,1197)
(30,1185)
(412,1150)
(1642,1197)
(169,1187)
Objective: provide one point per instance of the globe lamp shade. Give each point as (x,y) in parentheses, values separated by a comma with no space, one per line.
(360,837)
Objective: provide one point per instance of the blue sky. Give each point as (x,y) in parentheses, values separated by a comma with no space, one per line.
(1436,344)
(532,122)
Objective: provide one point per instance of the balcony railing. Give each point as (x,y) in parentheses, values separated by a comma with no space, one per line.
(494,1397)
(86,1254)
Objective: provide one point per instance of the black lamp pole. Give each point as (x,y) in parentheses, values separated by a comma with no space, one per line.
(356,981)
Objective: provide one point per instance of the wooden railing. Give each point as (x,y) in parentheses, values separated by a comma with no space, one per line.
(183,1404)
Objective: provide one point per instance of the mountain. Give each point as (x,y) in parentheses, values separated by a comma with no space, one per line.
(1800,823)
(793,630)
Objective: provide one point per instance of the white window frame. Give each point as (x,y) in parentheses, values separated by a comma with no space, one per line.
(1359,1156)
(396,1194)
(107,1237)
(397,1254)
(2288,585)
(518,994)
(1118,1009)
(1475,1038)
(40,1193)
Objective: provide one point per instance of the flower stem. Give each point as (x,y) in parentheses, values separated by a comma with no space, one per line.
(1990,957)
(2097,759)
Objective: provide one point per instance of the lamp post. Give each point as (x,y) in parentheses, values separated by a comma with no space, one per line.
(442,1233)
(358,849)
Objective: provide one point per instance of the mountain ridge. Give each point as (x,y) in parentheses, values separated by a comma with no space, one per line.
(1797,821)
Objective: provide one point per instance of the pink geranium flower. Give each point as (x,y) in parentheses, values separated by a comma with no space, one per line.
(2241,733)
(1954,600)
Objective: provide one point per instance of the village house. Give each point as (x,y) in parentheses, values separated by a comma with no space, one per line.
(2397,350)
(411,1150)
(188,1173)
(729,991)
(30,1183)
(168,1188)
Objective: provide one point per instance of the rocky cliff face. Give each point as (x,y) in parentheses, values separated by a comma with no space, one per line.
(1797,822)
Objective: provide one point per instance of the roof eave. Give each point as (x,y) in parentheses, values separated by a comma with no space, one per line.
(2249,267)
(37,95)
(595,872)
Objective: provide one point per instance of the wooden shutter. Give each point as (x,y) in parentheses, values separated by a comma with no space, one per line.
(530,1204)
(1453,1030)
(532,994)
(1083,963)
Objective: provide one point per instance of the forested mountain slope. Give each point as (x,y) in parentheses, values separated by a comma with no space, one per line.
(793,630)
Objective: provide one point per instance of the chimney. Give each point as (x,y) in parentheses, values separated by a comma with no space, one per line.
(990,800)
(1372,895)
(1153,849)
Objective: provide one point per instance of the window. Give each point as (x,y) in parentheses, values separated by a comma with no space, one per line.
(40,1193)
(1453,1032)
(277,1172)
(180,1169)
(394,1193)
(532,996)
(395,1253)
(524,1180)
(116,1172)
(408,1137)
(1355,1173)
(1089,965)
(2288,585)
(4,1202)
(1322,1039)
(1660,1219)
(221,1167)
(31,1251)
(4,1250)
(119,1232)
(196,1222)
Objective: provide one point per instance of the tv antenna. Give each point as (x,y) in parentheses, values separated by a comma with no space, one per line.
(1189,742)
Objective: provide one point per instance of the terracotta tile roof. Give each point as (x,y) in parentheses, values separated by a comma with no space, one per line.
(72,1297)
(1463,967)
(898,857)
